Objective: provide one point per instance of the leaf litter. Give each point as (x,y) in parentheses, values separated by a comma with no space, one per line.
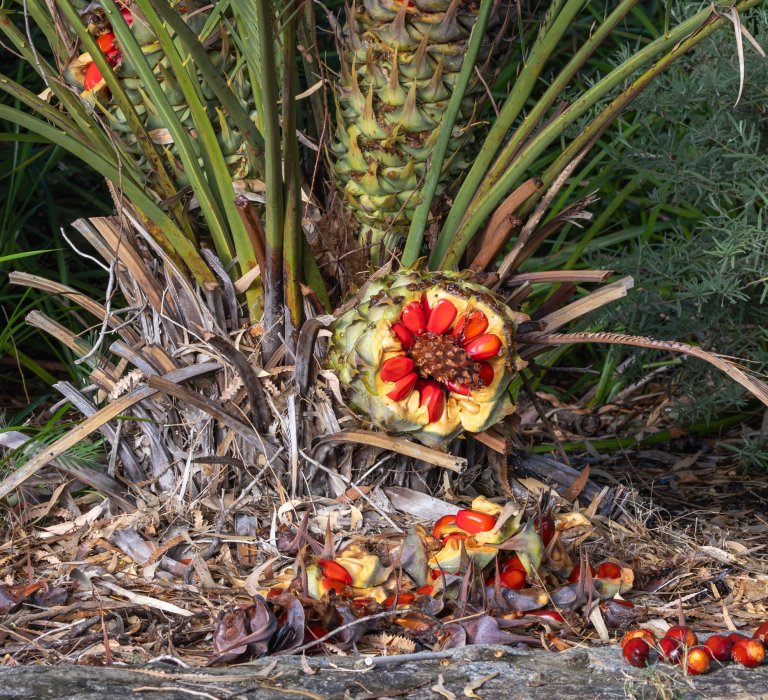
(100,587)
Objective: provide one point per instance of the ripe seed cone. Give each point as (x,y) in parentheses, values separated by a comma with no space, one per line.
(400,62)
(431,385)
(222,53)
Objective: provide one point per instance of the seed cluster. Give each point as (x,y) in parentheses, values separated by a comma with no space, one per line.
(441,358)
(441,351)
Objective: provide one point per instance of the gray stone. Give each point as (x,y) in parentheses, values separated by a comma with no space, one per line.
(491,673)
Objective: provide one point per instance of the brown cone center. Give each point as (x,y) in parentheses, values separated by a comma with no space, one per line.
(441,358)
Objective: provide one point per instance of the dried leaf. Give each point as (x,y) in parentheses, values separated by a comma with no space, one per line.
(262,625)
(440,688)
(596,618)
(72,525)
(305,667)
(419,504)
(398,444)
(568,521)
(484,629)
(391,643)
(145,600)
(292,631)
(228,636)
(132,545)
(573,491)
(470,688)
(252,583)
(413,556)
(11,596)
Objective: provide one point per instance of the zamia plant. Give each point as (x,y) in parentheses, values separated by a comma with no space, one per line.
(191,112)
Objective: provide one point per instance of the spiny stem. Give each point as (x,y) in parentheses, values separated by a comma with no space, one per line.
(293,233)
(273,274)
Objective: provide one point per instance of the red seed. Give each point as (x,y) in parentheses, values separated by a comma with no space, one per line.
(403,335)
(720,647)
(92,76)
(458,329)
(457,388)
(483,347)
(425,305)
(334,570)
(127,15)
(670,650)
(636,652)
(402,599)
(551,614)
(413,318)
(106,41)
(575,574)
(512,578)
(332,584)
(441,317)
(546,528)
(470,326)
(697,661)
(684,635)
(474,521)
(425,590)
(458,536)
(761,633)
(748,652)
(396,368)
(403,387)
(433,398)
(646,635)
(608,569)
(736,637)
(445,522)
(513,564)
(486,373)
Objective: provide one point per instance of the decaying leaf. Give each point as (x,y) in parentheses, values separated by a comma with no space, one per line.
(470,688)
(440,688)
(390,643)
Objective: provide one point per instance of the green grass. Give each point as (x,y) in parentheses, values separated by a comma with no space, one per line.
(41,191)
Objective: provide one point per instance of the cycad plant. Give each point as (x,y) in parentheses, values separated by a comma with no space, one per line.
(203,118)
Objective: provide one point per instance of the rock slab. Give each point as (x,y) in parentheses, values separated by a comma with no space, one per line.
(489,673)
